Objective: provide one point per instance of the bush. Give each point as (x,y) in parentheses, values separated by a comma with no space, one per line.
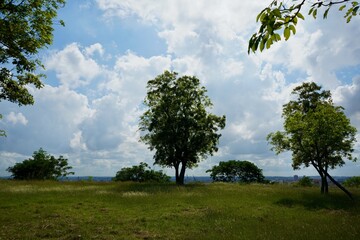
(352,182)
(42,166)
(141,173)
(236,171)
(305,182)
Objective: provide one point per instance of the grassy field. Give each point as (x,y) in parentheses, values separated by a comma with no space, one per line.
(93,210)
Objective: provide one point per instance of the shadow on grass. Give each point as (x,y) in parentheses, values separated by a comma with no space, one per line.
(317,201)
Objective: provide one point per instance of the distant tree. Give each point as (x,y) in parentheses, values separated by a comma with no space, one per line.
(281,14)
(352,182)
(317,132)
(236,171)
(42,166)
(177,125)
(25,28)
(305,182)
(141,173)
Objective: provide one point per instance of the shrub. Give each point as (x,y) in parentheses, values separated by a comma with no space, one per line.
(305,182)
(42,166)
(352,182)
(141,173)
(236,171)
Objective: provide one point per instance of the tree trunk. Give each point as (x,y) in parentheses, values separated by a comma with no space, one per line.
(182,174)
(339,186)
(176,166)
(326,182)
(323,172)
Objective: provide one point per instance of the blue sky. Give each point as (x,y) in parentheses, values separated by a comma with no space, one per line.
(100,62)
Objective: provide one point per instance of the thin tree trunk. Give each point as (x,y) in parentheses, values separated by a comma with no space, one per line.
(326,182)
(339,186)
(182,174)
(176,166)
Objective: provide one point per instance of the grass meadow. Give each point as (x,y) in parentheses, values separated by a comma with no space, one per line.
(112,210)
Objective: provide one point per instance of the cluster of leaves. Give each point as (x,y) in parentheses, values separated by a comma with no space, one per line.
(42,166)
(236,171)
(352,182)
(141,173)
(305,182)
(278,15)
(25,27)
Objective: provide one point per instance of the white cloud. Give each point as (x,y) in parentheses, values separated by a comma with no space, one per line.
(92,115)
(73,68)
(97,47)
(15,118)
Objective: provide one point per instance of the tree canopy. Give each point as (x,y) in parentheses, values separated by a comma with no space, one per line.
(236,171)
(317,132)
(25,28)
(141,173)
(42,166)
(177,125)
(281,18)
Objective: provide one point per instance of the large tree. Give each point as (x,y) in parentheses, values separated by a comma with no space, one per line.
(281,18)
(42,166)
(316,131)
(177,125)
(25,28)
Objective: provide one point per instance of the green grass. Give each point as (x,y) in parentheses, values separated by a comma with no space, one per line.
(91,210)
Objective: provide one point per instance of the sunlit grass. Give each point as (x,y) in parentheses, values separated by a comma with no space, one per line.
(91,210)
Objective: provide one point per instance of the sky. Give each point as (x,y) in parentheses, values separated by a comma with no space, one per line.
(98,66)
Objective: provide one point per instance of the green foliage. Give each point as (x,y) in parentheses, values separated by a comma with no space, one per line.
(42,166)
(25,28)
(141,173)
(317,132)
(281,16)
(305,182)
(177,125)
(352,182)
(236,171)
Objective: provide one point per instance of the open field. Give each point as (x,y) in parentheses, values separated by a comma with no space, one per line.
(93,210)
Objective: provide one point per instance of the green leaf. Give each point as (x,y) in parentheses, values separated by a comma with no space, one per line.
(355,10)
(277,37)
(293,29)
(348,19)
(299,15)
(286,33)
(314,13)
(310,11)
(342,7)
(277,12)
(295,20)
(262,44)
(326,13)
(268,43)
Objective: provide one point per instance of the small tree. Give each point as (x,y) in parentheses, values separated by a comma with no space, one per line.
(177,125)
(236,171)
(317,132)
(141,173)
(305,182)
(42,166)
(352,182)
